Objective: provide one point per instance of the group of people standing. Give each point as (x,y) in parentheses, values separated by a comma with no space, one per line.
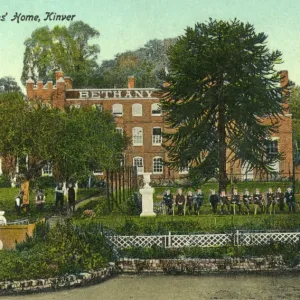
(40,199)
(233,203)
(60,191)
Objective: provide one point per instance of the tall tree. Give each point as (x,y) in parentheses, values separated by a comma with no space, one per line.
(88,141)
(68,48)
(223,84)
(76,142)
(8,84)
(147,64)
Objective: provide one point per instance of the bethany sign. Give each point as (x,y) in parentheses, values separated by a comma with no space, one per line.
(108,94)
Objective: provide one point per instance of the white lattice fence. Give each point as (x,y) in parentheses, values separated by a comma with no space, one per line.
(263,238)
(123,241)
(201,240)
(172,241)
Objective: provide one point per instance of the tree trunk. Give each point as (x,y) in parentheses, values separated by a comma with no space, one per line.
(223,180)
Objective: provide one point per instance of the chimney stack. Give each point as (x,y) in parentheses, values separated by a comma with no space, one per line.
(69,82)
(58,74)
(131,82)
(284,78)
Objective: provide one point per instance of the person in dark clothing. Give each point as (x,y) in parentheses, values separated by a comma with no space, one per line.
(198,201)
(189,201)
(279,198)
(270,201)
(18,202)
(59,195)
(224,201)
(214,200)
(247,200)
(180,202)
(236,200)
(168,201)
(258,201)
(290,200)
(40,200)
(71,197)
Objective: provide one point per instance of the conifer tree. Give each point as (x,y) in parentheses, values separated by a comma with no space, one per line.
(223,85)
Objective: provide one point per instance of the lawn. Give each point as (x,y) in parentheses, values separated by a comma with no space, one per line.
(7,203)
(136,225)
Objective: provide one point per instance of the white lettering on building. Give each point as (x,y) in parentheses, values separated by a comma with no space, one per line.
(110,94)
(128,94)
(117,94)
(138,94)
(84,94)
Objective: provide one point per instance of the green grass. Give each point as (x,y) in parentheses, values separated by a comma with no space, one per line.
(196,224)
(7,203)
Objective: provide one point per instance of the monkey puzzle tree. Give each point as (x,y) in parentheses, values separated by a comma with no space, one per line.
(222,85)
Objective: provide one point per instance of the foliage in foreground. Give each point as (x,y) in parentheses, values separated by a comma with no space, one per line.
(62,250)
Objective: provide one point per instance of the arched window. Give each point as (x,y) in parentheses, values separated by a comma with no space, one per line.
(156,136)
(137,136)
(117,110)
(137,110)
(122,160)
(157,165)
(47,169)
(155,109)
(138,162)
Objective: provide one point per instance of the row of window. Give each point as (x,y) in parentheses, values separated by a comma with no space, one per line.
(137,135)
(137,109)
(157,165)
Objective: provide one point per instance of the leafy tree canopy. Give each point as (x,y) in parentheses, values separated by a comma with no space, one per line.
(8,84)
(223,84)
(147,64)
(75,142)
(66,48)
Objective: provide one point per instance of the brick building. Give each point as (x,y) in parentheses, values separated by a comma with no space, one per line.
(138,114)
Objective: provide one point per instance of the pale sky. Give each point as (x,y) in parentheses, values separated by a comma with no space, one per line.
(129,24)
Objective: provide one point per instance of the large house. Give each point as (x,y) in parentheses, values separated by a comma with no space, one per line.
(137,112)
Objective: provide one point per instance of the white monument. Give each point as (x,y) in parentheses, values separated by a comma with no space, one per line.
(2,218)
(147,197)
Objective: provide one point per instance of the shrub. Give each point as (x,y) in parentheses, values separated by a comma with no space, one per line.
(43,182)
(5,181)
(66,248)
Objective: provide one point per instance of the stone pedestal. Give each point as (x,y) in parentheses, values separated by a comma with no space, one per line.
(147,197)
(2,218)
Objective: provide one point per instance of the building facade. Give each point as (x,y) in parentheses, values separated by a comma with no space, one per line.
(137,113)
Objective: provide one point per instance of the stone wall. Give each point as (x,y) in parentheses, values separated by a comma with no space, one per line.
(150,266)
(198,266)
(63,282)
